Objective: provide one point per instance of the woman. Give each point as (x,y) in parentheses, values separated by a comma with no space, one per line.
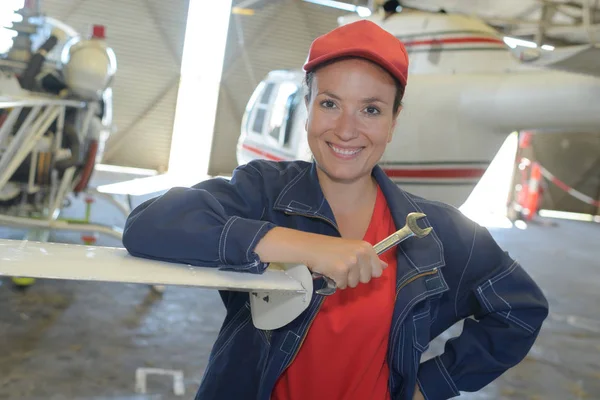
(366,340)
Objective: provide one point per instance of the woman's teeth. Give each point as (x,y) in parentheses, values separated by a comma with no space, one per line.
(344,152)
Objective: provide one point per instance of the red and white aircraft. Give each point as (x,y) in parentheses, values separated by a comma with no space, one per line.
(467,91)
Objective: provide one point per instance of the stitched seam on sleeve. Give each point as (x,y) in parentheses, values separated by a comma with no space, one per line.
(510,270)
(485,301)
(512,318)
(224,236)
(517,321)
(489,303)
(500,276)
(505,302)
(253,240)
(256,169)
(221,246)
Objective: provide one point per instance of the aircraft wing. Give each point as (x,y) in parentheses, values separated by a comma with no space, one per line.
(11,95)
(277,297)
(37,100)
(583,59)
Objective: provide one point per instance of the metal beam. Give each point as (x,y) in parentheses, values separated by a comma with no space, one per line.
(557,30)
(520,22)
(548,12)
(587,20)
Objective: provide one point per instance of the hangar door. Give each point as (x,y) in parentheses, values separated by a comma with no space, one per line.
(147,37)
(277,36)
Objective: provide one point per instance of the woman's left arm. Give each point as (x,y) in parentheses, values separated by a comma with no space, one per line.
(507,309)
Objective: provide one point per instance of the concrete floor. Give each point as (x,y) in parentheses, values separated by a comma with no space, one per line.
(79,340)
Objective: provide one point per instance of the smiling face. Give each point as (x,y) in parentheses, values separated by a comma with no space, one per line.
(351,118)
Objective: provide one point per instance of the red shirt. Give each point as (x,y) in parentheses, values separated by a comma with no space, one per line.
(344,354)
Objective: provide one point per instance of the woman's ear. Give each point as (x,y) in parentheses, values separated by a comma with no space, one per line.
(394,122)
(400,107)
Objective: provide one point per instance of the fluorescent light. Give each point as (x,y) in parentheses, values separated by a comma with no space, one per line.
(567,215)
(360,10)
(514,42)
(363,11)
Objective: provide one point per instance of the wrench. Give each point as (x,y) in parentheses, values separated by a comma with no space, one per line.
(410,229)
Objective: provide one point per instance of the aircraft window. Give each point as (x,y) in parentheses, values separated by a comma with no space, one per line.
(259,119)
(293,101)
(267,94)
(280,112)
(261,108)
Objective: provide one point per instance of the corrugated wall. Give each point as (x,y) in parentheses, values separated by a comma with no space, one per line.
(277,36)
(147,37)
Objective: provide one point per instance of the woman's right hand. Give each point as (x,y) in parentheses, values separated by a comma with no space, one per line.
(348,262)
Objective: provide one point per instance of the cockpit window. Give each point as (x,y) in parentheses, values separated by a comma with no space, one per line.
(266,95)
(281,110)
(261,108)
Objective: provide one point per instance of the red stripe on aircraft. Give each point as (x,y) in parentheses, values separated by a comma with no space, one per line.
(436,173)
(423,173)
(263,153)
(463,40)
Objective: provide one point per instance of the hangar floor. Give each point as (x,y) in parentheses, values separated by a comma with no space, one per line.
(84,341)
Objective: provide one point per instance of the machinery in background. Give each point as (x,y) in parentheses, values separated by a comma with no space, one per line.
(55,118)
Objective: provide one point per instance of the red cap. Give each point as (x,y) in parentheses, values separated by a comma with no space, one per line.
(363,39)
(98,32)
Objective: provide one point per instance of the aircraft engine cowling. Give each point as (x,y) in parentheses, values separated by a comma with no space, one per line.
(89,65)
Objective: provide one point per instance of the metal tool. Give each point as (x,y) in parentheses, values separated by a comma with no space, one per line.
(410,229)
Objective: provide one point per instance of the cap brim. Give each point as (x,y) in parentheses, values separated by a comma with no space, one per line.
(360,53)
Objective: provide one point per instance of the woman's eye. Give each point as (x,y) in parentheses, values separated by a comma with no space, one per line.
(327,104)
(372,110)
